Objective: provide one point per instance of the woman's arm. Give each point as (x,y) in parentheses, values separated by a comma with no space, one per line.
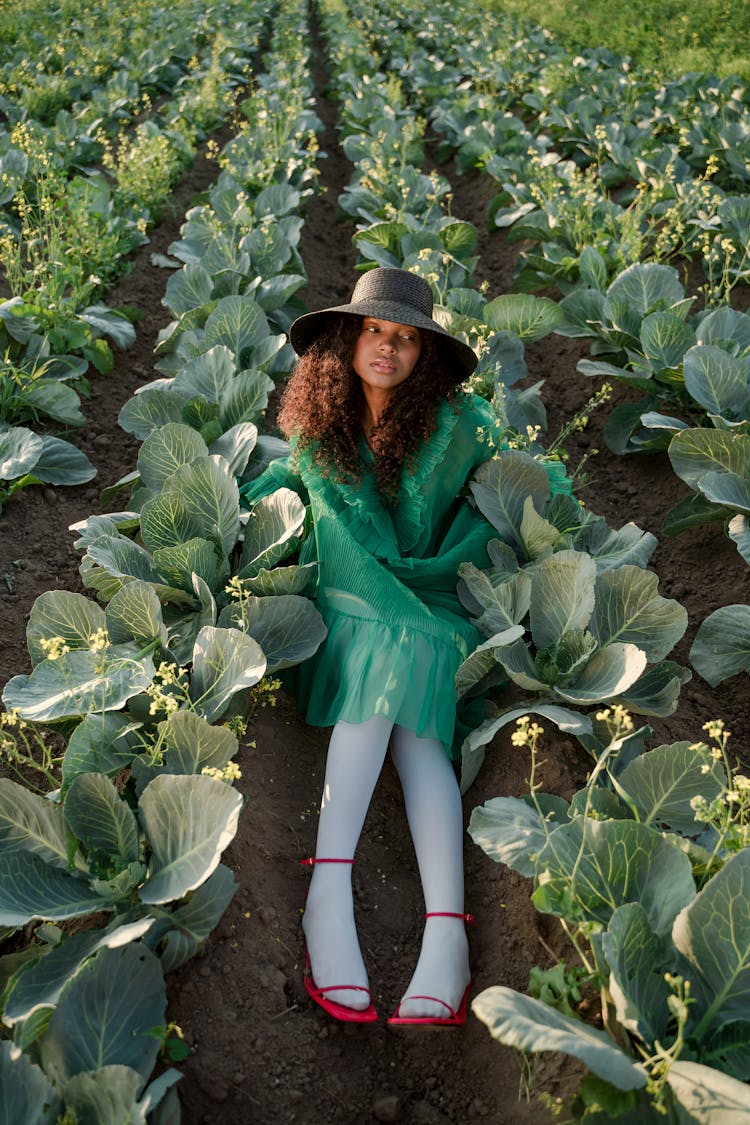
(466,541)
(278,474)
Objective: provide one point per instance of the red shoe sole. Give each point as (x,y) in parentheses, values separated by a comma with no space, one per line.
(455,1019)
(338,1011)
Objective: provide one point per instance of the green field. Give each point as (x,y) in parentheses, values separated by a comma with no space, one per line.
(673,36)
(179,183)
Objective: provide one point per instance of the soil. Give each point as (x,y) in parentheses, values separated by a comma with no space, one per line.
(262,1051)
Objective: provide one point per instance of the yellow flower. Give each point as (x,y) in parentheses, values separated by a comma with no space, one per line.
(528,732)
(162,702)
(231,772)
(235,588)
(54,647)
(717,731)
(11,718)
(99,640)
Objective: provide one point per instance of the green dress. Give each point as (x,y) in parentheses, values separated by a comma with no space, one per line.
(397,631)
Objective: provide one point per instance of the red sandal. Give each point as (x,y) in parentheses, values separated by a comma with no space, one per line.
(456,1018)
(338,1011)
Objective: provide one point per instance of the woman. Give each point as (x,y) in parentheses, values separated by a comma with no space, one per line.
(383,444)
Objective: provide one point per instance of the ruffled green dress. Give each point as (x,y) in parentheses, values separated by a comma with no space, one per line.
(397,631)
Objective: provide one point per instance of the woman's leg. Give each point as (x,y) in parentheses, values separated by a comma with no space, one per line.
(434,812)
(355,758)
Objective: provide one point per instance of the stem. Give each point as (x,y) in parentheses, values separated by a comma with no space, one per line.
(573,939)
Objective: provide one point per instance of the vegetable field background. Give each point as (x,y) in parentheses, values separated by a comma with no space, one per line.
(261,1052)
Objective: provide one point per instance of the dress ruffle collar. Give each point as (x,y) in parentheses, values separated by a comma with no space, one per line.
(409,516)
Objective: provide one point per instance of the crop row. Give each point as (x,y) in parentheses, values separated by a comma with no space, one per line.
(558,134)
(79,199)
(572,130)
(148,694)
(647,866)
(203,601)
(93,65)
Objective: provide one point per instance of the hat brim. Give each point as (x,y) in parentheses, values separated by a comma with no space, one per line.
(305,329)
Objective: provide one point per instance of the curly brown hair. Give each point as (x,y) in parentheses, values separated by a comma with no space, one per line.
(323,402)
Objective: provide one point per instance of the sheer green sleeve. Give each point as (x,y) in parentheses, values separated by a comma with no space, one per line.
(559,482)
(278,474)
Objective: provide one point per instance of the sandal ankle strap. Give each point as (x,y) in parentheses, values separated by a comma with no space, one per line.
(312,860)
(468,918)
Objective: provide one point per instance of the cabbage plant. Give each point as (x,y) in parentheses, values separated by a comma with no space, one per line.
(133,841)
(90,1052)
(499,330)
(721,647)
(154,872)
(380,194)
(711,387)
(655,903)
(240,272)
(27,458)
(560,230)
(238,243)
(641,320)
(209,393)
(585,639)
(714,459)
(34,384)
(198,587)
(440,245)
(65,329)
(570,614)
(514,493)
(90,852)
(697,365)
(192,539)
(82,671)
(716,465)
(484,138)
(88,660)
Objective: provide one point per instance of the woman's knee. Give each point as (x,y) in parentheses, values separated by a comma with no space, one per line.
(407,747)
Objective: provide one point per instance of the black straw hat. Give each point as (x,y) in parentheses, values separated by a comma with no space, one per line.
(387,294)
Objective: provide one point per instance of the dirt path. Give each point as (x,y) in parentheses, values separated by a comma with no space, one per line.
(263,1052)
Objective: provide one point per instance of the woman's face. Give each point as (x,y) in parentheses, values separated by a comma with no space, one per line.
(385,353)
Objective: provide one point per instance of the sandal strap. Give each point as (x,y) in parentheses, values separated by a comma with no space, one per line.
(469,918)
(434,999)
(312,860)
(342,987)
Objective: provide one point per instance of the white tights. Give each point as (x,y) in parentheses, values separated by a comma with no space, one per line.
(433,807)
